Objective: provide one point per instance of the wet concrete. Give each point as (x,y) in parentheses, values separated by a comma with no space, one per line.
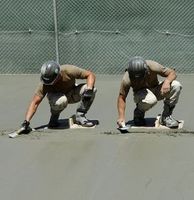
(90,164)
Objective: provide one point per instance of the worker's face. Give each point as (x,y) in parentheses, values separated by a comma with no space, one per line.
(138,78)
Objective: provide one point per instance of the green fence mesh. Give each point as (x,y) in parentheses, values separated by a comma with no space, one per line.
(95,34)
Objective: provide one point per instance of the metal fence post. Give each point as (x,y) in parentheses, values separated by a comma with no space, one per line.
(56,30)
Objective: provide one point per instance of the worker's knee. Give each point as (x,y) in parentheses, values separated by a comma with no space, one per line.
(147,104)
(145,99)
(176,86)
(58,102)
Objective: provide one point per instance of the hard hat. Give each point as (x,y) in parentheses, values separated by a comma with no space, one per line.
(49,72)
(137,68)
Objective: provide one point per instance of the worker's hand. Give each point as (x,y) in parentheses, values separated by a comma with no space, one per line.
(26,126)
(165,87)
(121,123)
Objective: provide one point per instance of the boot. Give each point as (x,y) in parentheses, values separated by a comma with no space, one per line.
(82,120)
(166,118)
(139,117)
(53,122)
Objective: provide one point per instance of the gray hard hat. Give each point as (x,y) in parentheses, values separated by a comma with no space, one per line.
(137,68)
(49,72)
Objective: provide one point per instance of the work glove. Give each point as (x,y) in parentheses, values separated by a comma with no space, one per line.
(88,93)
(26,126)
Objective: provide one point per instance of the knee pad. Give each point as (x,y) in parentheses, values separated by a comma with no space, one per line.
(146,101)
(151,100)
(88,95)
(145,106)
(58,102)
(176,86)
(86,101)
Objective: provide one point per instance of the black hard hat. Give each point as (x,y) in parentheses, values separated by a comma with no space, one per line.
(49,72)
(137,68)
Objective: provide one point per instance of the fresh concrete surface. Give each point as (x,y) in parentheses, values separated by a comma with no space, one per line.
(88,164)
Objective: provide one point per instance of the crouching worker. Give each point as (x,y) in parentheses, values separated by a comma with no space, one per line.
(142,76)
(58,83)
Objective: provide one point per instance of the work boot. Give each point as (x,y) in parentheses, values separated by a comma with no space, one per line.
(169,122)
(166,118)
(53,122)
(139,117)
(82,120)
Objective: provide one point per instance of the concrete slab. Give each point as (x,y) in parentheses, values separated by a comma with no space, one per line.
(85,164)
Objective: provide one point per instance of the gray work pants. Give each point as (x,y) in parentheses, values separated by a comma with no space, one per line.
(59,101)
(147,98)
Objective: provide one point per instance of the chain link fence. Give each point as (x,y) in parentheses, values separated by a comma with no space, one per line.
(97,35)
